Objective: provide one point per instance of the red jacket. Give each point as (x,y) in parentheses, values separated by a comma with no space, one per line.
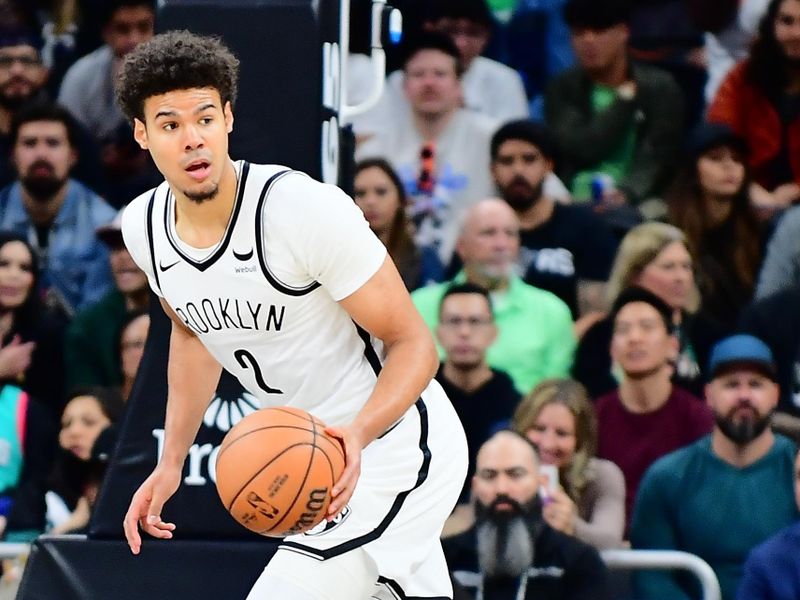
(745,108)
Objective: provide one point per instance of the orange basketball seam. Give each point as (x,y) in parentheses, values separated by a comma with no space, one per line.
(333,442)
(330,462)
(299,491)
(272,460)
(241,437)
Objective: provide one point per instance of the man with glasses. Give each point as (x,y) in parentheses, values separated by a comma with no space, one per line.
(23,77)
(22,81)
(483,397)
(534,327)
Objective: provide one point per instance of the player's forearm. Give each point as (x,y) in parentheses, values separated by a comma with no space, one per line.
(409,367)
(193,375)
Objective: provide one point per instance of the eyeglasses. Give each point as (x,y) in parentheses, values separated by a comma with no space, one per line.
(7,61)
(472,322)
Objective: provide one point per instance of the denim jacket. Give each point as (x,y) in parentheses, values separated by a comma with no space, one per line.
(75,263)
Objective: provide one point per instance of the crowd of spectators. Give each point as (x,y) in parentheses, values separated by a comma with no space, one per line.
(618,279)
(73,305)
(596,207)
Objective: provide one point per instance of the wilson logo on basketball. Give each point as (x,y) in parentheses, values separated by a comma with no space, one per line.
(326,526)
(316,502)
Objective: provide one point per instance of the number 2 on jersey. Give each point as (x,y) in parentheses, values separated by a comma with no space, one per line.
(243,357)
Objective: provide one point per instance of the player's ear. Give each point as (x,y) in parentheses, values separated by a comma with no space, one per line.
(140,133)
(228,112)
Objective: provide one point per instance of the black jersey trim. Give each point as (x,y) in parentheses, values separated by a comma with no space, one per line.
(369,349)
(204,264)
(399,500)
(372,358)
(261,235)
(398,592)
(150,242)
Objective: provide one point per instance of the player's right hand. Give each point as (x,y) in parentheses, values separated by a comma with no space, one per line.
(146,505)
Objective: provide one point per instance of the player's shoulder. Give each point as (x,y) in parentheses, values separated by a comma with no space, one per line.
(287,189)
(134,212)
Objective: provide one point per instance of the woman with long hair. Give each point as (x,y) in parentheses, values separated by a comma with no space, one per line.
(589,500)
(654,256)
(132,339)
(759,98)
(710,202)
(75,477)
(31,339)
(379,193)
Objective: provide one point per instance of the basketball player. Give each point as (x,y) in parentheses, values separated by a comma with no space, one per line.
(278,278)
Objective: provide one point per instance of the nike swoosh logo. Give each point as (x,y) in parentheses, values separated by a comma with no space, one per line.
(167,267)
(244,257)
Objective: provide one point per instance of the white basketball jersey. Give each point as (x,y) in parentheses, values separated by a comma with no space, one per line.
(264,299)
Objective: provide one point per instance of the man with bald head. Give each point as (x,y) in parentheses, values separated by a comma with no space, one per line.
(535,336)
(511,553)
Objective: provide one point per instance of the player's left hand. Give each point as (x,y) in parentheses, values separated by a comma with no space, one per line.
(343,489)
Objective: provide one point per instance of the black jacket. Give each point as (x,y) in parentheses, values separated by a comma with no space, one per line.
(564,568)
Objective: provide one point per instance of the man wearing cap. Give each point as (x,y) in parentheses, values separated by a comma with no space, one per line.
(564,248)
(91,344)
(727,492)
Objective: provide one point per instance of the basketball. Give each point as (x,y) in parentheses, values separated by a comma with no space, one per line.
(276,469)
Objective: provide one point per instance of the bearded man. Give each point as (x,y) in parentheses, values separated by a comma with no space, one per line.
(56,214)
(511,553)
(723,495)
(535,339)
(564,248)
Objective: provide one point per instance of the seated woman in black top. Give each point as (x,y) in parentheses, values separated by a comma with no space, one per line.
(30,337)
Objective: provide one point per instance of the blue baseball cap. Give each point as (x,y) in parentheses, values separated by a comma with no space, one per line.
(741,349)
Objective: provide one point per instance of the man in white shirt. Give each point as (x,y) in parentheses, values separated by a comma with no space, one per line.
(490,87)
(439,149)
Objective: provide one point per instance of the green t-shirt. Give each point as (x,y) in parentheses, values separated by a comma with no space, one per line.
(502,9)
(691,500)
(617,163)
(535,337)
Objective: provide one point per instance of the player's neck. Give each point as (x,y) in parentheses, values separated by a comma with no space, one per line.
(202,224)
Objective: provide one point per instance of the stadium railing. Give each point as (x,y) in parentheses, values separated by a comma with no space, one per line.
(13,550)
(663,560)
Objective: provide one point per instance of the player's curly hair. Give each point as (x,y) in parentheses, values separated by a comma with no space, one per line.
(175,60)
